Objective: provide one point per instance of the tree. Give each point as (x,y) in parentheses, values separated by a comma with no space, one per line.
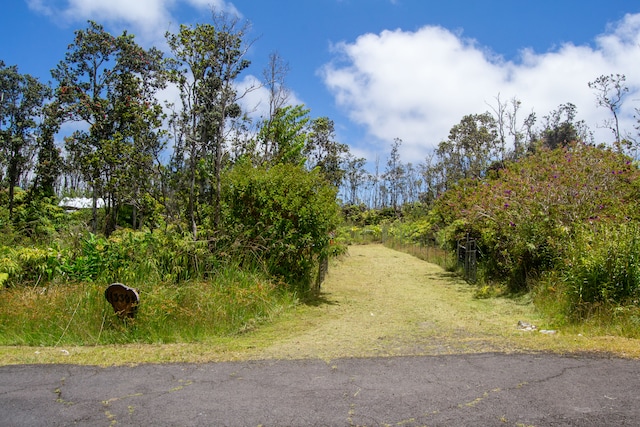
(375,199)
(502,117)
(50,162)
(561,127)
(21,100)
(413,184)
(506,116)
(285,135)
(610,92)
(324,152)
(529,130)
(395,175)
(434,182)
(355,176)
(274,80)
(207,61)
(109,83)
(472,147)
(633,138)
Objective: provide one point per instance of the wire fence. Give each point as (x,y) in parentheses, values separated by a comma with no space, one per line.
(468,258)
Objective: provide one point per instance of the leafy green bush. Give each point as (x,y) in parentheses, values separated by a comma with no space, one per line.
(143,256)
(282,218)
(6,227)
(353,234)
(28,265)
(418,231)
(38,218)
(361,216)
(9,264)
(127,256)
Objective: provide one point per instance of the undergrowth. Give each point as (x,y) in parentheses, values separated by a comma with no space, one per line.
(78,314)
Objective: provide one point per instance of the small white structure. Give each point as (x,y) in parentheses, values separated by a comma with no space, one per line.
(74,203)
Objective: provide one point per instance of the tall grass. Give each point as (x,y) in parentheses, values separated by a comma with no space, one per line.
(599,284)
(78,314)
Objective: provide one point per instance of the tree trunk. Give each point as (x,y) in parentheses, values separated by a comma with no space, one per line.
(192,213)
(94,211)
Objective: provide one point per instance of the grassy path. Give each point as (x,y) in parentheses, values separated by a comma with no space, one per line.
(380,302)
(375,302)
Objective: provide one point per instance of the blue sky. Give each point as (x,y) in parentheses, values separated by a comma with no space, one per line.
(383,69)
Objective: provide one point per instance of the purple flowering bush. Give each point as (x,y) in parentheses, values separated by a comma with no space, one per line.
(537,214)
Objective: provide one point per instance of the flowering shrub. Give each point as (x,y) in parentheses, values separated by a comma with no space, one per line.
(526,215)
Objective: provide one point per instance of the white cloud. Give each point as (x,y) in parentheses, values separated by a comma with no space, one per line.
(417,85)
(40,6)
(143,13)
(147,19)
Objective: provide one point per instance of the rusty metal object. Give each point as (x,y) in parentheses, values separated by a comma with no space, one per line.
(124,299)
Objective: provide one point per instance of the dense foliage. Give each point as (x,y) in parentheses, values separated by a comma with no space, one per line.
(283,216)
(545,213)
(277,225)
(280,218)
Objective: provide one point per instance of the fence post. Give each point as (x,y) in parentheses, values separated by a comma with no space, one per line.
(323,268)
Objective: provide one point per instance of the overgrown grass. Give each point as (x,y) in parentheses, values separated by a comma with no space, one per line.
(555,301)
(597,287)
(232,302)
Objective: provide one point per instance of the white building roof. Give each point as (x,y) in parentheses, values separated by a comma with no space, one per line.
(71,203)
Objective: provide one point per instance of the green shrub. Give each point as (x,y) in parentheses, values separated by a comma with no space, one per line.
(28,265)
(143,256)
(353,234)
(282,218)
(38,218)
(127,256)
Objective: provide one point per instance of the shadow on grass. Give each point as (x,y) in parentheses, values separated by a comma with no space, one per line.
(449,275)
(319,299)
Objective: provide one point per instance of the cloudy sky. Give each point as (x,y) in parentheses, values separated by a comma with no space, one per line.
(384,69)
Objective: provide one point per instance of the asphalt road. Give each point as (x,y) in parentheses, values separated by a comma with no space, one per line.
(457,390)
